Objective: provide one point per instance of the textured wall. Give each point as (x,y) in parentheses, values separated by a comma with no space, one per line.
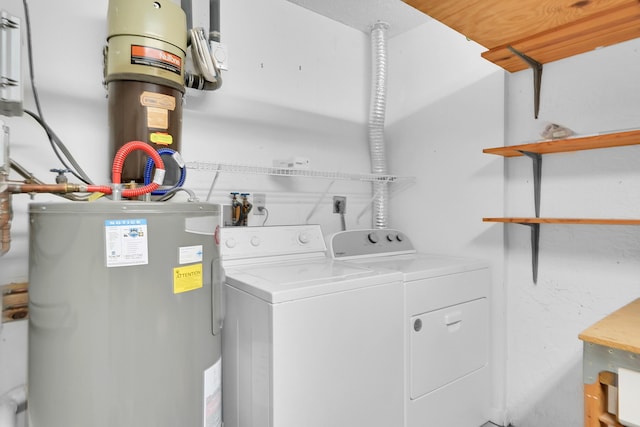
(585,272)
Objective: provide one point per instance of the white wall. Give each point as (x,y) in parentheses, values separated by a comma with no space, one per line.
(585,271)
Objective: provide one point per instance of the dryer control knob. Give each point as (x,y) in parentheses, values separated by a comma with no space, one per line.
(255,241)
(230,243)
(304,238)
(400,237)
(373,237)
(391,237)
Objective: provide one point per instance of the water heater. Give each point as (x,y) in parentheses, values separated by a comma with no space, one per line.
(144,75)
(125,315)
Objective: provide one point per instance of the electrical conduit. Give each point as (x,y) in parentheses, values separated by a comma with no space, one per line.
(376,123)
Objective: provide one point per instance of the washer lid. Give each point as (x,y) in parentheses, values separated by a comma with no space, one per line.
(291,280)
(422,266)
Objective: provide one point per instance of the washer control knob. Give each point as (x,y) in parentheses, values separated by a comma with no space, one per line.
(373,237)
(230,243)
(255,241)
(391,237)
(304,238)
(400,237)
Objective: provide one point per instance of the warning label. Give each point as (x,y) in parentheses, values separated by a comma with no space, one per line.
(187,278)
(158,58)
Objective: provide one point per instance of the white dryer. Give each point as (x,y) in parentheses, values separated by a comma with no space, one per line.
(308,341)
(446,322)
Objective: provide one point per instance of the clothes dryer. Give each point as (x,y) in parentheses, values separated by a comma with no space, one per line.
(308,341)
(446,326)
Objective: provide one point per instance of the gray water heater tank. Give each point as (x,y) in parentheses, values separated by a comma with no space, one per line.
(125,315)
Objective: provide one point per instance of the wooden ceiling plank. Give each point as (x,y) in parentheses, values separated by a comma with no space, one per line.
(493,23)
(614,26)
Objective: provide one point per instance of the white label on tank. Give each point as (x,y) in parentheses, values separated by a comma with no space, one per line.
(126,242)
(213,395)
(190,254)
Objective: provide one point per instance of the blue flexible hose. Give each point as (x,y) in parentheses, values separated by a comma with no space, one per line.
(149,167)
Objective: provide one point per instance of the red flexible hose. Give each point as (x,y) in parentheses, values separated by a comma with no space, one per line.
(118,163)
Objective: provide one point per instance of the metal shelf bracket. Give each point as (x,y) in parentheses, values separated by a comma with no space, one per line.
(535,249)
(537,178)
(536,159)
(537,77)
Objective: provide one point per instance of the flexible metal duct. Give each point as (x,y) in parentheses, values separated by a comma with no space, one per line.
(10,402)
(376,123)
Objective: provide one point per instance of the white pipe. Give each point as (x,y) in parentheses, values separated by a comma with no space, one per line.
(9,404)
(376,123)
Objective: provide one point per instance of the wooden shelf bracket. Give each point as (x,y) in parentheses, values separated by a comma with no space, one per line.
(537,78)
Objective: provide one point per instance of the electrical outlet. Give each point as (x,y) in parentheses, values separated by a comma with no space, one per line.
(339,204)
(259,201)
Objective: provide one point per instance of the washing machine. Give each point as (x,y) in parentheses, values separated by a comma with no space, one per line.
(446,326)
(308,341)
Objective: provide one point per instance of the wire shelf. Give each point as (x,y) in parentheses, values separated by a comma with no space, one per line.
(304,173)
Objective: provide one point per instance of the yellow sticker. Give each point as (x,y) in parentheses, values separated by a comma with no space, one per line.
(187,278)
(161,138)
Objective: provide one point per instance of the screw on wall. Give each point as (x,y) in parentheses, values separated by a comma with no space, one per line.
(340,207)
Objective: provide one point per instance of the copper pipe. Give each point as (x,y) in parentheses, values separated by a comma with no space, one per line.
(6,215)
(31,179)
(45,188)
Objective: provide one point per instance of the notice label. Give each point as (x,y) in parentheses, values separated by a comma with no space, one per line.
(187,278)
(126,242)
(190,254)
(157,118)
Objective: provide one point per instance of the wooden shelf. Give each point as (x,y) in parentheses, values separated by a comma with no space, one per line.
(544,30)
(535,151)
(608,140)
(592,221)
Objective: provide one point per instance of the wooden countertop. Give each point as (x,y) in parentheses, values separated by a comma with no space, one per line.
(619,330)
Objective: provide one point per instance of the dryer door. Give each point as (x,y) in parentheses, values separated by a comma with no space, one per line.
(447,344)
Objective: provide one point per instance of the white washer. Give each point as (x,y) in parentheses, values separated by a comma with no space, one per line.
(308,341)
(446,321)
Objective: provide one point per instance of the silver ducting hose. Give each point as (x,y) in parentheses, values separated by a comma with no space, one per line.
(10,402)
(376,123)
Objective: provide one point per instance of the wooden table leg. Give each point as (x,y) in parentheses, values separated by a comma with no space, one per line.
(595,404)
(596,401)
